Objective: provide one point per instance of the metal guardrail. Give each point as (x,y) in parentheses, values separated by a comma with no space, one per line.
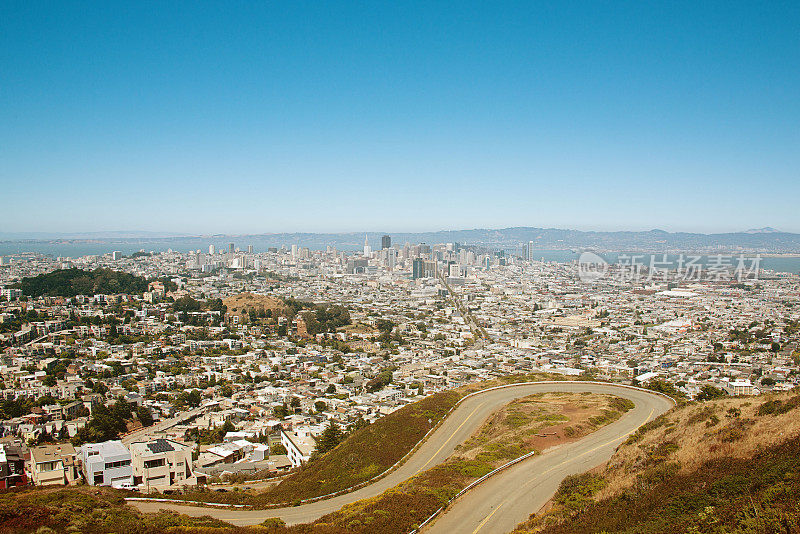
(153,499)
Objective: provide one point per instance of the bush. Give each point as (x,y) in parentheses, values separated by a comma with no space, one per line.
(576,491)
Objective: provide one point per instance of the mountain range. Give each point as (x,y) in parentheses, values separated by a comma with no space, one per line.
(761,240)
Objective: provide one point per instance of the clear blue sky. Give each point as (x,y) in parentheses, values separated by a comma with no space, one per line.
(250,117)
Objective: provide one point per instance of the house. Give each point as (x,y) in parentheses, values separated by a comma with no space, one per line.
(299,445)
(161,463)
(12,466)
(53,464)
(740,387)
(106,464)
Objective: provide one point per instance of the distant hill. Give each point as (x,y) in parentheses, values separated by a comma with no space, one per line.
(755,240)
(765,230)
(71,282)
(550,238)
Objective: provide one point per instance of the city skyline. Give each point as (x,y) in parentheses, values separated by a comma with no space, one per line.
(267,118)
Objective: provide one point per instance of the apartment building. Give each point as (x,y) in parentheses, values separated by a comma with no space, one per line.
(161,463)
(299,445)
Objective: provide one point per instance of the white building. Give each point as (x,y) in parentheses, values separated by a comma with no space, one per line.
(106,464)
(11,293)
(740,387)
(299,445)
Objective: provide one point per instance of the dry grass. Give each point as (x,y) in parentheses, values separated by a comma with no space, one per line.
(539,421)
(731,461)
(244,302)
(730,428)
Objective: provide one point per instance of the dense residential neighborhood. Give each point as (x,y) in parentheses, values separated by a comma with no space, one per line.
(162,371)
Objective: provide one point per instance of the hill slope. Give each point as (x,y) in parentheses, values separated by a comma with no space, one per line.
(731,465)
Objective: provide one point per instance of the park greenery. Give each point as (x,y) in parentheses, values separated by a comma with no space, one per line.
(72,282)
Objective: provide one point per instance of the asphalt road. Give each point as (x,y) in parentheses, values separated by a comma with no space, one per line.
(508,498)
(161,426)
(537,483)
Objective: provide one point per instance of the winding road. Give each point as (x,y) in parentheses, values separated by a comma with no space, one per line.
(499,503)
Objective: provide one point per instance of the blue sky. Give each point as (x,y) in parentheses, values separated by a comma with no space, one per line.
(399,116)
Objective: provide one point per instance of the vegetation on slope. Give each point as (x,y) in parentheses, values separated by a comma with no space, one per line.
(725,466)
(91,510)
(71,282)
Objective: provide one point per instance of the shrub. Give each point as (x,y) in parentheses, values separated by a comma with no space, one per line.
(576,491)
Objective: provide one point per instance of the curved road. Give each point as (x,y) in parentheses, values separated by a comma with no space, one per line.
(534,479)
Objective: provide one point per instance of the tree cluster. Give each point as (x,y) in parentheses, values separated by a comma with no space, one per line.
(72,282)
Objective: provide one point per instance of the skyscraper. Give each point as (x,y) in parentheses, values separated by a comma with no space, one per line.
(367,248)
(249,249)
(386,242)
(418,268)
(230,248)
(211,249)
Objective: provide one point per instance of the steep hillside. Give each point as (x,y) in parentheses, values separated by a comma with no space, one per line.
(94,510)
(731,465)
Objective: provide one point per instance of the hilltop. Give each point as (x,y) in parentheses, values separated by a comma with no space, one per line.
(243,303)
(729,465)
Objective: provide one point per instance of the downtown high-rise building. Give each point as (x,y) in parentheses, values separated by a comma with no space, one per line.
(367,248)
(211,249)
(418,268)
(249,249)
(386,242)
(231,249)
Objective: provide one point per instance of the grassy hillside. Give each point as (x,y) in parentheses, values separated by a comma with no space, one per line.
(725,466)
(90,510)
(71,282)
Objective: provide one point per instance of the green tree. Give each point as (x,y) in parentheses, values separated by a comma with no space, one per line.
(385,326)
(330,438)
(710,393)
(144,416)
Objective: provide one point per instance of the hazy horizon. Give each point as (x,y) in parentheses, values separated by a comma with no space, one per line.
(139,234)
